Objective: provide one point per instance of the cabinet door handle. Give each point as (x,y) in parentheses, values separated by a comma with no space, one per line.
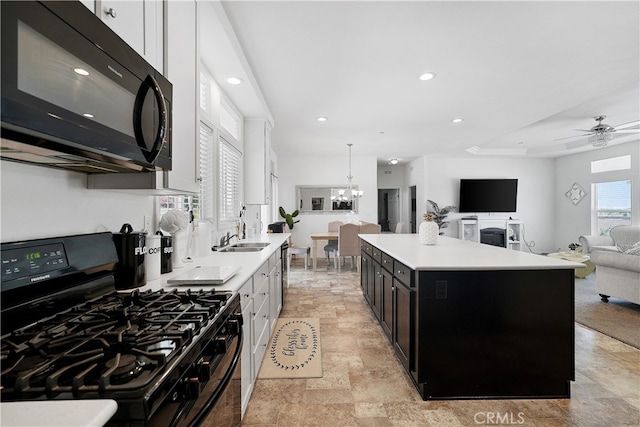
(246,295)
(111,12)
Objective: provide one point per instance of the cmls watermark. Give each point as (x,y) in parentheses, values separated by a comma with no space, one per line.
(499,418)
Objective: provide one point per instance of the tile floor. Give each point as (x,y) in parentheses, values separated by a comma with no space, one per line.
(365,385)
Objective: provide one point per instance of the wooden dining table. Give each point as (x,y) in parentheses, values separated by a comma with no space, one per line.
(316,238)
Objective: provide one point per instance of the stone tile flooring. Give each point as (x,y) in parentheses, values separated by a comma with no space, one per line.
(365,385)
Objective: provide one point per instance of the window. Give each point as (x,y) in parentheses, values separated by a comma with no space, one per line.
(229,182)
(183,203)
(611,164)
(230,120)
(207,177)
(611,205)
(610,193)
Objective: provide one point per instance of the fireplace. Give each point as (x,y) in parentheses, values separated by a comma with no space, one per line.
(493,236)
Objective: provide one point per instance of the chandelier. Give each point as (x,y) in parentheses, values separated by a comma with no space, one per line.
(350,194)
(353,194)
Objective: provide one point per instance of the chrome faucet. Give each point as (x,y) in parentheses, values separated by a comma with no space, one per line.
(224,240)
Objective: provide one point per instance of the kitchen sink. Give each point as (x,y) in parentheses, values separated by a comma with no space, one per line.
(244,247)
(251,244)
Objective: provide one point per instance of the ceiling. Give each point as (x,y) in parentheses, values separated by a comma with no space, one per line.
(521,74)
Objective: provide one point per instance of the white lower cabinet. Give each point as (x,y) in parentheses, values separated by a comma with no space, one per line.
(246,302)
(261,300)
(275,286)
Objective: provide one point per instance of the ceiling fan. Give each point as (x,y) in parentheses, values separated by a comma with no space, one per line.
(602,133)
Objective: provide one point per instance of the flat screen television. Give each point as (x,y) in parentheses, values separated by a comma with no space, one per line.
(488,195)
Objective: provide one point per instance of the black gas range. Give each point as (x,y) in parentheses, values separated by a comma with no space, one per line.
(168,358)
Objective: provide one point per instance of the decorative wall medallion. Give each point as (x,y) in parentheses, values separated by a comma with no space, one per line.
(576,193)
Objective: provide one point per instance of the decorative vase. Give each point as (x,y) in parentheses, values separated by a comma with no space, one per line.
(429,232)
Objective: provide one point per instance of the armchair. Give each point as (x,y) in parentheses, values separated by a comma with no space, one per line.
(617,260)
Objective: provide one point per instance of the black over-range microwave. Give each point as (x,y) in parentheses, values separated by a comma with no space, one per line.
(76,96)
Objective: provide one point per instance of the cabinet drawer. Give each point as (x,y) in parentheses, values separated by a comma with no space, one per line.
(260,319)
(246,293)
(403,273)
(260,349)
(261,296)
(386,262)
(260,277)
(376,254)
(273,259)
(366,247)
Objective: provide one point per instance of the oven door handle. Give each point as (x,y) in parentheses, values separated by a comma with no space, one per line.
(210,403)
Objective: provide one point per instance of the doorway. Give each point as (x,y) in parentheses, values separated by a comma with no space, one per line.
(388,208)
(412,213)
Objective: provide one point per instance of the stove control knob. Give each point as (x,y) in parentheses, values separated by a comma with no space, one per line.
(204,371)
(220,345)
(192,388)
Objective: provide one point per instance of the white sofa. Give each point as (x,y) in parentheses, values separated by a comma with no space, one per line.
(617,260)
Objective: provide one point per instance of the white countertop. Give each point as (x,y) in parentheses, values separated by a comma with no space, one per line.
(90,412)
(57,413)
(248,262)
(456,254)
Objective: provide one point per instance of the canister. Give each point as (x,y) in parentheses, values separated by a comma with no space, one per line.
(166,251)
(152,257)
(130,246)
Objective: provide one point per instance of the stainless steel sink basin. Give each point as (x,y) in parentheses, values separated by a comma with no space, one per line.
(251,244)
(238,248)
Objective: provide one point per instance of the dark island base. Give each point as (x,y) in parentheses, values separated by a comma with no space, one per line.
(496,389)
(494,334)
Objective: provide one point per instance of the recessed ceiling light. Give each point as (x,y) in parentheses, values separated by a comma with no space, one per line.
(89,115)
(235,80)
(458,120)
(321,119)
(81,71)
(427,76)
(393,161)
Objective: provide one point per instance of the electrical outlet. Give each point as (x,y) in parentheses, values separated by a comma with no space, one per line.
(147,223)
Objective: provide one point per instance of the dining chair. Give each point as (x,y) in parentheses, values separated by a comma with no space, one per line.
(348,245)
(297,251)
(332,245)
(370,228)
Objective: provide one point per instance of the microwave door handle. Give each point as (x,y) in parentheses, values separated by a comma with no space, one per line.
(158,143)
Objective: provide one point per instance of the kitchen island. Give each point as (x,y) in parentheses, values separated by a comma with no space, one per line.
(473,321)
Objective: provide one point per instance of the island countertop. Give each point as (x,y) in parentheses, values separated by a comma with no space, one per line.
(455,254)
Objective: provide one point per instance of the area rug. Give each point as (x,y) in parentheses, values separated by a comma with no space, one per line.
(294,351)
(617,318)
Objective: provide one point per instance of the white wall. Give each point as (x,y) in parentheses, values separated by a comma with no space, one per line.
(40,202)
(575,220)
(438,179)
(309,170)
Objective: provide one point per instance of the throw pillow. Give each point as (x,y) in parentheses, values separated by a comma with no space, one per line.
(634,249)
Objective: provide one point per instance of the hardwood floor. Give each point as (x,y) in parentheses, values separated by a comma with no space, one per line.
(363,383)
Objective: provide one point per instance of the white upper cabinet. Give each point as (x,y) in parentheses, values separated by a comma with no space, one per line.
(137,22)
(182,71)
(257,162)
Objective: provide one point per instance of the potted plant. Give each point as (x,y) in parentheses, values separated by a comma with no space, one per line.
(575,247)
(439,214)
(289,218)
